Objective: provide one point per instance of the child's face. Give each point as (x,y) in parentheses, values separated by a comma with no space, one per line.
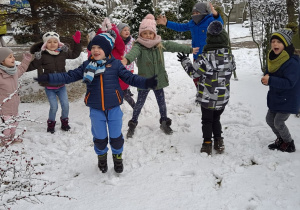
(125,32)
(148,34)
(52,44)
(97,53)
(277,46)
(9,61)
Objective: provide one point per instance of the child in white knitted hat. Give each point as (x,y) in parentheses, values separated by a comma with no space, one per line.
(9,97)
(283,78)
(50,57)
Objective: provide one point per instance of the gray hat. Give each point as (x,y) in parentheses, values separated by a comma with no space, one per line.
(202,7)
(121,26)
(4,53)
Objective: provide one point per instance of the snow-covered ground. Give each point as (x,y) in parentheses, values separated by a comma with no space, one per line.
(168,172)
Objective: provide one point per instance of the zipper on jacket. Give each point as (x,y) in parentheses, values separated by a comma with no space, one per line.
(102,92)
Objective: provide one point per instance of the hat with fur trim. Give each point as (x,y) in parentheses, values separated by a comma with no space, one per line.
(105,40)
(49,35)
(285,35)
(4,53)
(148,24)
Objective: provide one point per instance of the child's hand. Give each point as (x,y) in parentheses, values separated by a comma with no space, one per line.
(213,11)
(265,79)
(124,60)
(27,56)
(161,20)
(181,56)
(42,78)
(77,37)
(195,50)
(151,82)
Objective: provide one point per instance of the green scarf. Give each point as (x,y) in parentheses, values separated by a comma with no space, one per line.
(274,64)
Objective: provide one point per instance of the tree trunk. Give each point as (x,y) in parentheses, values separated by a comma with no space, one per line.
(291,10)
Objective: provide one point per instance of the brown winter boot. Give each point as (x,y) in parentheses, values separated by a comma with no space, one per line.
(219,144)
(51,126)
(65,124)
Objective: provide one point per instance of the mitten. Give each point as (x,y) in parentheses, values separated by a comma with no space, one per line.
(77,37)
(151,82)
(38,55)
(42,78)
(27,56)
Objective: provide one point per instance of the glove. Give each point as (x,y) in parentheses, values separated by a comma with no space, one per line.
(38,55)
(181,56)
(77,37)
(42,78)
(151,82)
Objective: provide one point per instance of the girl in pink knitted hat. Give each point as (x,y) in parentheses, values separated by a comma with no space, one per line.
(148,50)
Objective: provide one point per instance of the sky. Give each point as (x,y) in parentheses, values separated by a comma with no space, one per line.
(166,171)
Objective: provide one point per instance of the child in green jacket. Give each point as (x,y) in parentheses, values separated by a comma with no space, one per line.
(148,50)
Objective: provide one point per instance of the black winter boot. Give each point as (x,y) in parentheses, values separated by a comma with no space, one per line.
(132,125)
(102,163)
(276,144)
(165,126)
(287,147)
(51,126)
(206,147)
(118,163)
(65,124)
(219,144)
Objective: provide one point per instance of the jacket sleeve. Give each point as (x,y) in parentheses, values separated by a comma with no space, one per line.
(194,70)
(289,79)
(22,68)
(67,77)
(175,47)
(75,52)
(36,64)
(180,27)
(130,78)
(134,53)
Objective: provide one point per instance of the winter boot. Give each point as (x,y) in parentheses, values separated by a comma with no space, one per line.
(219,144)
(207,147)
(102,163)
(132,125)
(65,124)
(287,147)
(118,163)
(51,126)
(276,144)
(165,126)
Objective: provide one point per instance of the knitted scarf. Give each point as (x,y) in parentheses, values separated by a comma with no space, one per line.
(10,71)
(149,43)
(274,61)
(94,68)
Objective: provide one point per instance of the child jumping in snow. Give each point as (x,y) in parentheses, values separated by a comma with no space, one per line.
(9,75)
(283,78)
(149,49)
(104,96)
(214,69)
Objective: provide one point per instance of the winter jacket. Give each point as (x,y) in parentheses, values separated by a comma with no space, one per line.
(129,67)
(8,85)
(52,63)
(214,69)
(284,87)
(104,92)
(150,61)
(198,31)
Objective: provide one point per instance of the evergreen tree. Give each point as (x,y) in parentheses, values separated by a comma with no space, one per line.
(185,12)
(141,9)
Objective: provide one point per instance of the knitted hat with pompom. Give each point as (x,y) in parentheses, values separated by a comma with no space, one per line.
(217,37)
(105,40)
(148,24)
(285,35)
